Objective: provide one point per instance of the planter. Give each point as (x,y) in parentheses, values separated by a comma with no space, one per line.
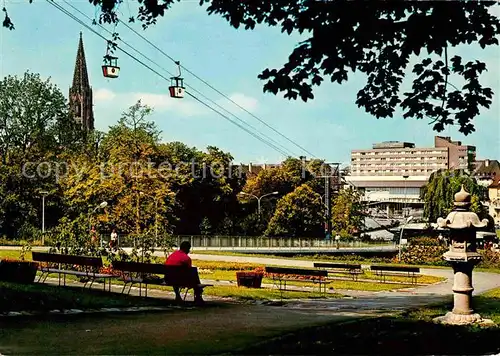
(249,279)
(18,271)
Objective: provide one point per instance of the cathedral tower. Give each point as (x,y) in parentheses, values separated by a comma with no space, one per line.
(80,93)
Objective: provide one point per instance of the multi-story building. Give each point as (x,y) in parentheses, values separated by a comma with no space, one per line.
(494,199)
(395,172)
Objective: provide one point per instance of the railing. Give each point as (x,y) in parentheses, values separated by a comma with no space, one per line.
(234,242)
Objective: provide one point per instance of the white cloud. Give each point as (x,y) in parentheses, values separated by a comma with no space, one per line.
(242,100)
(495,10)
(104,95)
(186,107)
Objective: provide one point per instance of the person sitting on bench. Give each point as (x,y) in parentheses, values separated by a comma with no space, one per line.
(181,258)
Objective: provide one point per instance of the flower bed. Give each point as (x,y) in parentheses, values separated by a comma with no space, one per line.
(249,279)
(225,266)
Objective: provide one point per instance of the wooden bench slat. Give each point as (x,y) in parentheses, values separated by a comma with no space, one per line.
(297,271)
(336,265)
(67,259)
(395,268)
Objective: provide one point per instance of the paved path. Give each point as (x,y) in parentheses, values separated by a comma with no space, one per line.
(367,250)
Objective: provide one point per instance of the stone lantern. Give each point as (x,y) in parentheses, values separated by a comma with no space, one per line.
(463,256)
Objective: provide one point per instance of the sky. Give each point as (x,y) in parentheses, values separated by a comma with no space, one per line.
(330,126)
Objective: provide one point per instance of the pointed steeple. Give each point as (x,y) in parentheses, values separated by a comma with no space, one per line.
(80,93)
(80,76)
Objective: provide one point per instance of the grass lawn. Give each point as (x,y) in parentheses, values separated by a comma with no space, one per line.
(220,275)
(409,333)
(226,271)
(13,254)
(43,297)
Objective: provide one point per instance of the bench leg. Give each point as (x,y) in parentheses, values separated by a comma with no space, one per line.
(43,276)
(129,287)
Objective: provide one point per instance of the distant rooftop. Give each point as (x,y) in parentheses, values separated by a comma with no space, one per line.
(487,168)
(393,144)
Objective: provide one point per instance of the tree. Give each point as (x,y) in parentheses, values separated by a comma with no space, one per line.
(377,38)
(347,218)
(283,179)
(35,128)
(439,193)
(123,174)
(31,111)
(299,213)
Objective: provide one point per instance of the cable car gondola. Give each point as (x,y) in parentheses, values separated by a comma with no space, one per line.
(176,87)
(110,67)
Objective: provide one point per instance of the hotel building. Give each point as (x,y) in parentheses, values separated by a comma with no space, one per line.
(395,172)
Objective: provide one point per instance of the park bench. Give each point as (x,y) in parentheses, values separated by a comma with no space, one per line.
(65,265)
(280,275)
(343,268)
(147,273)
(382,271)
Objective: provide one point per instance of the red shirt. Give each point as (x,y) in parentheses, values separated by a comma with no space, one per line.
(179,258)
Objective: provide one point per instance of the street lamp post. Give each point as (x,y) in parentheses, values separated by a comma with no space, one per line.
(100,206)
(401,235)
(44,194)
(259,199)
(405,177)
(155,199)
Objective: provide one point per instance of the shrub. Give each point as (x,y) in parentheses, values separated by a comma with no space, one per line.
(424,241)
(491,259)
(424,254)
(225,266)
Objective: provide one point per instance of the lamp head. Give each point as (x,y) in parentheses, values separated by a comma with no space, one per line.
(103,204)
(275,193)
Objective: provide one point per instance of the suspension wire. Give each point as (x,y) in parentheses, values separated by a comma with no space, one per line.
(72,16)
(287,151)
(216,90)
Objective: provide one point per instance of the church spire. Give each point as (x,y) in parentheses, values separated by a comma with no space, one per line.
(80,76)
(80,93)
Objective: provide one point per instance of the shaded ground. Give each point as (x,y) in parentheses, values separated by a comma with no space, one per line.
(384,336)
(44,297)
(208,330)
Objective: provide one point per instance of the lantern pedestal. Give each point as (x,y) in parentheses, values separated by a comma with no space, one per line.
(463,256)
(462,313)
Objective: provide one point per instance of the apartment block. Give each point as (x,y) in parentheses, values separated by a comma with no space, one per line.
(395,171)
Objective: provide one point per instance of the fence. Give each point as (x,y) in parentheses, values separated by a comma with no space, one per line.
(233,242)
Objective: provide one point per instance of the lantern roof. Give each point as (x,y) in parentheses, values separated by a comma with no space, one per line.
(461,217)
